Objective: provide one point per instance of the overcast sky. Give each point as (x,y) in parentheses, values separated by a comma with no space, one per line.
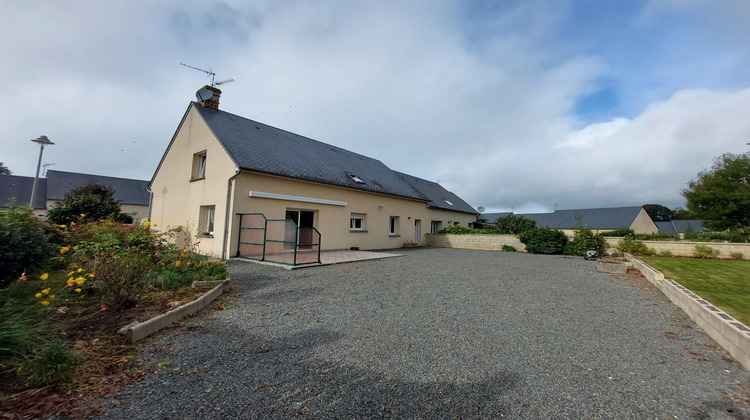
(513,105)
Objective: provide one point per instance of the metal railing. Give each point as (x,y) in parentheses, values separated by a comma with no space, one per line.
(277,240)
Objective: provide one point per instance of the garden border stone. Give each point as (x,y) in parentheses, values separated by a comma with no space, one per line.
(137,331)
(728,332)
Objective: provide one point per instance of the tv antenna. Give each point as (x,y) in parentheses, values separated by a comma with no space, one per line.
(45,165)
(214,83)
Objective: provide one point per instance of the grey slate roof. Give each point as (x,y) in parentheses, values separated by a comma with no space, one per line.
(127,191)
(604,218)
(491,218)
(19,188)
(439,197)
(258,147)
(680,226)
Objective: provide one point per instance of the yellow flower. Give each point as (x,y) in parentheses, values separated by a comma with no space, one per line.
(79,270)
(44,276)
(51,296)
(45,291)
(70,274)
(63,226)
(70,282)
(38,295)
(177,263)
(80,281)
(78,290)
(72,223)
(64,250)
(82,215)
(155,225)
(45,302)
(91,275)
(184,251)
(75,248)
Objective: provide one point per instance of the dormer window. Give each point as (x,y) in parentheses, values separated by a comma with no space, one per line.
(355,178)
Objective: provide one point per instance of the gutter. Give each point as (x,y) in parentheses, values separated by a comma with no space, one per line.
(226,214)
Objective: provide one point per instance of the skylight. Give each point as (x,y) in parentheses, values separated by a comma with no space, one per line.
(355,178)
(449,203)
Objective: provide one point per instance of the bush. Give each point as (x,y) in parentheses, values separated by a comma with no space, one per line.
(463,230)
(731,235)
(585,240)
(508,248)
(618,232)
(634,247)
(737,256)
(514,225)
(656,236)
(26,243)
(52,365)
(703,251)
(666,253)
(20,334)
(544,240)
(91,202)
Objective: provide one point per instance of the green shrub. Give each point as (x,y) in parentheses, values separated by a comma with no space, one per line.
(656,236)
(703,251)
(731,235)
(737,256)
(585,240)
(54,364)
(634,247)
(93,201)
(26,243)
(544,240)
(666,253)
(514,225)
(508,248)
(618,232)
(463,230)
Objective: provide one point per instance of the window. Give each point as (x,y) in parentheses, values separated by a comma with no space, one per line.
(436,226)
(355,178)
(394,226)
(199,165)
(206,226)
(357,222)
(449,203)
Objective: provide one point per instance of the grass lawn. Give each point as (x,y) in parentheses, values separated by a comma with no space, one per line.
(725,284)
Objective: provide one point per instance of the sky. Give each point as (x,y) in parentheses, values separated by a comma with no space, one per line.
(525,106)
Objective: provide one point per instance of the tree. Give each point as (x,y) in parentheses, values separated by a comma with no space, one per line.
(94,201)
(514,225)
(678,213)
(4,169)
(721,195)
(658,213)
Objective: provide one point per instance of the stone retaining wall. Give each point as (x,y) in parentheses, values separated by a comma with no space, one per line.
(486,242)
(687,248)
(731,334)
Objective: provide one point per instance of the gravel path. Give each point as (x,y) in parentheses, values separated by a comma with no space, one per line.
(438,333)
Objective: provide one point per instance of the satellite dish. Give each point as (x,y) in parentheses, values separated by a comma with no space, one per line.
(204,94)
(481,209)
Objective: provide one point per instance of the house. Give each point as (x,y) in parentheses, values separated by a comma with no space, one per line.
(601,220)
(132,194)
(247,189)
(680,226)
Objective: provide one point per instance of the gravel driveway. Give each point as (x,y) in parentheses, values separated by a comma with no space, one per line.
(438,333)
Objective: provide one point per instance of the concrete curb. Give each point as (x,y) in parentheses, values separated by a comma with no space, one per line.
(137,331)
(729,333)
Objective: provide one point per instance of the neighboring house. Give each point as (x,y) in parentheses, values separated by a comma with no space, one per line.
(600,220)
(132,194)
(489,219)
(219,165)
(680,226)
(16,190)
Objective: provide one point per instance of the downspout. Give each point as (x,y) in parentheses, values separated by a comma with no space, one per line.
(226,215)
(150,201)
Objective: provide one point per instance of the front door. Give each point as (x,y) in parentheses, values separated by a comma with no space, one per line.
(417,231)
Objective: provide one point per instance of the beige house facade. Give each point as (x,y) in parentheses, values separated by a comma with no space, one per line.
(219,166)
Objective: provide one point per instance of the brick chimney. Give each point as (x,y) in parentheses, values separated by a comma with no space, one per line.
(213,101)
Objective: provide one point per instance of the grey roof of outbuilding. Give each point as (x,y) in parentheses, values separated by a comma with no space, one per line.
(492,217)
(604,218)
(19,188)
(127,191)
(439,197)
(258,147)
(680,226)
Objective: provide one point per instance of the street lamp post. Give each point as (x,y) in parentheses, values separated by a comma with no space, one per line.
(42,140)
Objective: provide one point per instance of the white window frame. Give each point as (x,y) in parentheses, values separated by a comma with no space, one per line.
(357,217)
(393,226)
(199,165)
(207,220)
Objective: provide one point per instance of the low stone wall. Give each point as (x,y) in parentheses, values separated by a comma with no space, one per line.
(731,334)
(687,248)
(486,242)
